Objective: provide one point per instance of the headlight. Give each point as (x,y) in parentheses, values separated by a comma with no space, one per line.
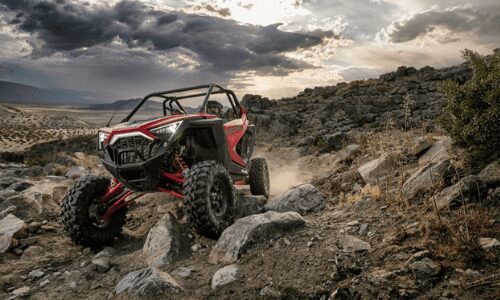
(166,131)
(101,137)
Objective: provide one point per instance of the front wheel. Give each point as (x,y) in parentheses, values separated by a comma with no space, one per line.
(80,213)
(209,198)
(259,177)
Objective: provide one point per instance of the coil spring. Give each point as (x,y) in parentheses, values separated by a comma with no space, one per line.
(180,162)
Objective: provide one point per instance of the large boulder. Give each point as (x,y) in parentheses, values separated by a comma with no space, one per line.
(247,205)
(166,242)
(303,199)
(425,180)
(224,276)
(491,174)
(468,189)
(437,152)
(11,227)
(376,169)
(147,282)
(245,232)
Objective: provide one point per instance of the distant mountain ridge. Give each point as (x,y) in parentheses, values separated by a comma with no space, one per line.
(12,92)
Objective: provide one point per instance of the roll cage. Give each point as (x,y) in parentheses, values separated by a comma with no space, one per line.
(171,99)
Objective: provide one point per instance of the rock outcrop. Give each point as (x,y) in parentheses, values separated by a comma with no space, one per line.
(303,199)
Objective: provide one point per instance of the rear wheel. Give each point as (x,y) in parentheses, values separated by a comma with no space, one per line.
(80,213)
(209,198)
(259,177)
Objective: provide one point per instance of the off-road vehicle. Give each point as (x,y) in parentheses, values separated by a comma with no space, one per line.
(196,154)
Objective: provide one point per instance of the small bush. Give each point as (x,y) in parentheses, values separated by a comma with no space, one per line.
(472,112)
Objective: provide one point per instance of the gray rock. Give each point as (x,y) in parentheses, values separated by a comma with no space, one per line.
(468,189)
(147,282)
(22,291)
(8,210)
(183,272)
(102,260)
(247,205)
(166,242)
(32,253)
(76,172)
(303,199)
(37,273)
(421,144)
(437,152)
(425,180)
(11,227)
(333,141)
(245,232)
(270,292)
(374,170)
(491,174)
(425,269)
(351,243)
(489,243)
(348,154)
(224,276)
(380,277)
(20,186)
(6,181)
(363,228)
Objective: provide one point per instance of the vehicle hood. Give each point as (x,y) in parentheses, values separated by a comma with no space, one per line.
(151,123)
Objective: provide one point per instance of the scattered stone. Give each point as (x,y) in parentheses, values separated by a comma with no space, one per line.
(44,283)
(303,199)
(102,260)
(147,282)
(353,223)
(76,172)
(37,273)
(21,292)
(471,272)
(334,141)
(9,210)
(32,253)
(166,242)
(184,272)
(363,228)
(224,276)
(421,144)
(425,269)
(380,277)
(437,152)
(196,247)
(488,243)
(491,174)
(11,227)
(351,243)
(245,232)
(348,154)
(247,205)
(7,181)
(374,170)
(20,186)
(310,244)
(270,292)
(425,180)
(469,189)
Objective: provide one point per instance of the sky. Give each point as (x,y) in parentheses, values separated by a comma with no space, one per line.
(129,48)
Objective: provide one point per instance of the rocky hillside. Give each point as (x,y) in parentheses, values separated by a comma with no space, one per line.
(407,98)
(370,201)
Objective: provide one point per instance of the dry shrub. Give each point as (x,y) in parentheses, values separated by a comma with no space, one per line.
(455,234)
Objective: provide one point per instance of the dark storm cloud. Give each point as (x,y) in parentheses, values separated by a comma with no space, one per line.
(457,20)
(219,44)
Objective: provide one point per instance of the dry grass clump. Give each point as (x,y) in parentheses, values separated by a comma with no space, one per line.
(368,191)
(454,234)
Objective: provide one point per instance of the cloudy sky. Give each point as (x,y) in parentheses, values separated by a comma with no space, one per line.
(275,48)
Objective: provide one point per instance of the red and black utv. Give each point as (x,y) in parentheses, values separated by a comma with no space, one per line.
(196,149)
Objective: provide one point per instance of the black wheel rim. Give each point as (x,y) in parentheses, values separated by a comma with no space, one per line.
(218,197)
(95,213)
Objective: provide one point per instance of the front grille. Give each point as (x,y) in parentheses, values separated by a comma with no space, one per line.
(134,149)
